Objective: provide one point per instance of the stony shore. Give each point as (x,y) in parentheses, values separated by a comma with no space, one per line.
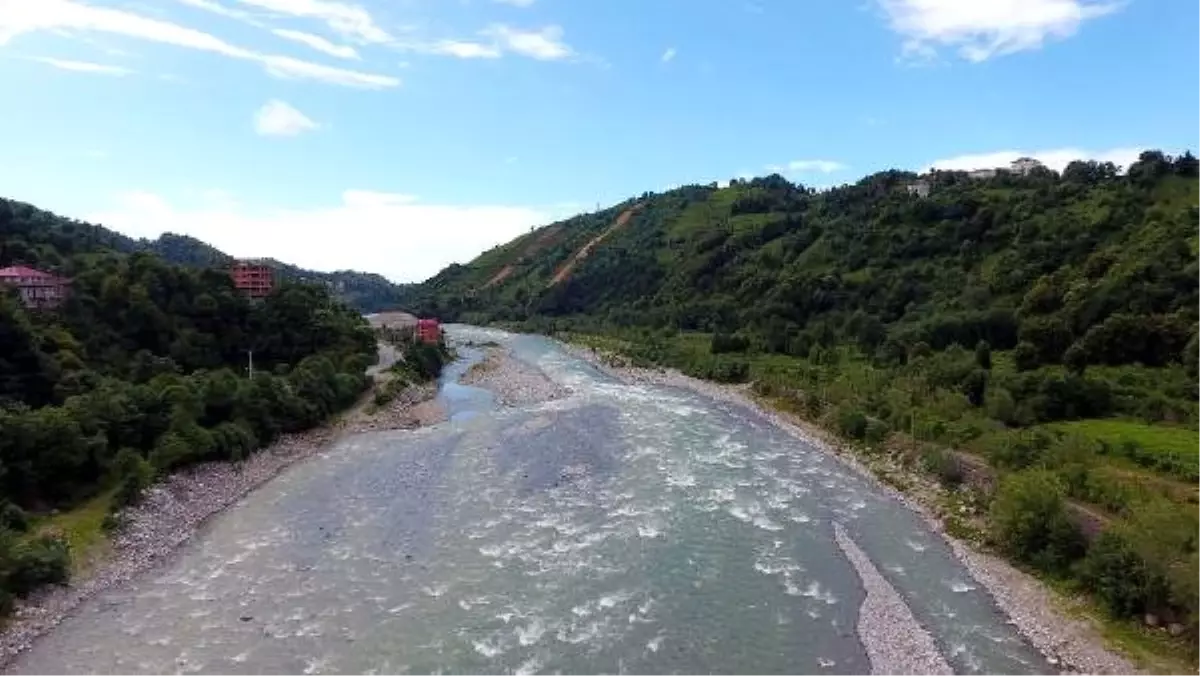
(1073,645)
(175,508)
(512,381)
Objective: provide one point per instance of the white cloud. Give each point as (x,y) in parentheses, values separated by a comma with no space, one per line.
(544,44)
(317,42)
(464,49)
(806,166)
(668,55)
(516,3)
(82,66)
(278,118)
(217,8)
(980,29)
(392,234)
(1056,159)
(17,18)
(348,20)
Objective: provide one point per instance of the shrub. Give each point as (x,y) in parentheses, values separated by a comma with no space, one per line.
(852,423)
(13,518)
(1029,521)
(1114,572)
(722,343)
(942,464)
(876,431)
(37,561)
(134,475)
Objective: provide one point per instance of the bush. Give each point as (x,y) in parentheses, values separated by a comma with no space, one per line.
(942,464)
(134,475)
(1114,572)
(1030,523)
(876,431)
(33,562)
(13,518)
(852,423)
(722,342)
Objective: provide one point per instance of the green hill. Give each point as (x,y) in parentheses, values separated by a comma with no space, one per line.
(366,292)
(1043,325)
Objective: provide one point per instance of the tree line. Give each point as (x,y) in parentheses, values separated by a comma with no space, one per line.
(144,369)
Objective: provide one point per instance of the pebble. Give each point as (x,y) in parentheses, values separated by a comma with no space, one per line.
(513,382)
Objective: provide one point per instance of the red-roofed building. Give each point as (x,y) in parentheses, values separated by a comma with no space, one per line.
(429,330)
(38,289)
(253,277)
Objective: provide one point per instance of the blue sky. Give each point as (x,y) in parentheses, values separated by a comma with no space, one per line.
(397,136)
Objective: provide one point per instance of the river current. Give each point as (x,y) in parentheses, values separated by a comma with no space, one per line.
(625,528)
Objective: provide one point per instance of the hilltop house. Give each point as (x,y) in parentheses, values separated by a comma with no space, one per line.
(1024,165)
(38,289)
(253,277)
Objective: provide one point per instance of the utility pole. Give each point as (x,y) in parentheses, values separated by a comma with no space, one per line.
(250,368)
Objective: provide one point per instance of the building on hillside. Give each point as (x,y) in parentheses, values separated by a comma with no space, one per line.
(253,277)
(918,188)
(429,330)
(38,289)
(982,173)
(1024,165)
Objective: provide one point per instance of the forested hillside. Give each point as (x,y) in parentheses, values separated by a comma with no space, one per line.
(366,292)
(143,370)
(1043,326)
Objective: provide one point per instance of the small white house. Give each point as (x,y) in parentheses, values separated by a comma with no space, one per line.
(918,188)
(1024,165)
(982,173)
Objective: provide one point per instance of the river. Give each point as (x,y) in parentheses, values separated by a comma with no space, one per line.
(625,528)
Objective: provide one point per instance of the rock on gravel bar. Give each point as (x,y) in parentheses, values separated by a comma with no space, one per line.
(895,642)
(512,381)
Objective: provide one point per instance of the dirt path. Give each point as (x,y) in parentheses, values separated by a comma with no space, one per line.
(565,271)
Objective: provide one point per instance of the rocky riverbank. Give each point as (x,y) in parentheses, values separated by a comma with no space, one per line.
(174,509)
(512,381)
(1074,645)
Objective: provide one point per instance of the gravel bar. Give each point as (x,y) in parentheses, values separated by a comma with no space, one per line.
(1075,646)
(895,642)
(513,382)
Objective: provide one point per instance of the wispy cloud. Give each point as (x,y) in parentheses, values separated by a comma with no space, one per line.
(352,22)
(516,3)
(807,166)
(981,29)
(279,118)
(1055,158)
(66,15)
(317,42)
(668,55)
(544,44)
(82,66)
(223,10)
(463,49)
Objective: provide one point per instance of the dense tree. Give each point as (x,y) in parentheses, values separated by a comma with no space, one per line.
(142,371)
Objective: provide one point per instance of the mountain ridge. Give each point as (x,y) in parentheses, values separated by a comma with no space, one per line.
(365,291)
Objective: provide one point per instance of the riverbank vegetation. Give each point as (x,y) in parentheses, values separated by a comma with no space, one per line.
(144,370)
(418,363)
(1032,337)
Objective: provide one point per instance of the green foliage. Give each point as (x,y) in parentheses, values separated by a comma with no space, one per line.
(142,371)
(1030,523)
